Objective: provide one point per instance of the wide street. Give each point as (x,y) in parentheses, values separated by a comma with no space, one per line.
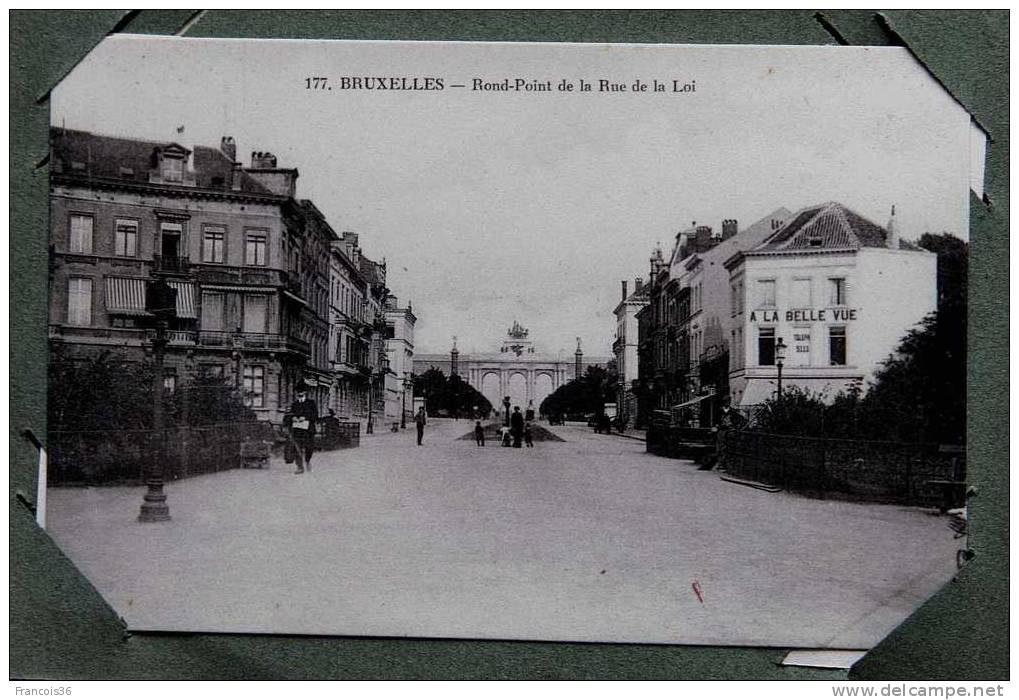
(588,539)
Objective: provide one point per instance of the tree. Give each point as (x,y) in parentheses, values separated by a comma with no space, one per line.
(450,396)
(106,392)
(585,395)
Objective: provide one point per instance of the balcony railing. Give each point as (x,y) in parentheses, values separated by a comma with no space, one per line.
(267,342)
(171,264)
(232,274)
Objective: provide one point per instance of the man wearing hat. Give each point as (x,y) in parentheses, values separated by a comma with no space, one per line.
(300,420)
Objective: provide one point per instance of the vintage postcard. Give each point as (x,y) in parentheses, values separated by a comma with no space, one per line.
(608,343)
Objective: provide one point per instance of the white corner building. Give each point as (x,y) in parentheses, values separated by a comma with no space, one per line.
(837,290)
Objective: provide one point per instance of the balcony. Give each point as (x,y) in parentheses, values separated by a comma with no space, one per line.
(231,274)
(171,264)
(258,342)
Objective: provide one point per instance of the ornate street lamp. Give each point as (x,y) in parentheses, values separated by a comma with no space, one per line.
(780,347)
(161,302)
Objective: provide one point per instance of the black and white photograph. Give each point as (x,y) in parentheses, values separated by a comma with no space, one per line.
(624,343)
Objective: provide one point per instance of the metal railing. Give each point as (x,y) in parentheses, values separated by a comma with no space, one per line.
(271,342)
(171,263)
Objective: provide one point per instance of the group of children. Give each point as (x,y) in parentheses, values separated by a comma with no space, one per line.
(505,435)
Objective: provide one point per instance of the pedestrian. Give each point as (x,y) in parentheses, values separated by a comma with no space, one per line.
(420,420)
(300,421)
(504,436)
(370,428)
(528,435)
(517,426)
(479,434)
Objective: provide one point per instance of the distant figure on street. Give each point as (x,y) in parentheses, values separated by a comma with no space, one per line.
(528,435)
(517,426)
(504,436)
(529,413)
(370,428)
(420,420)
(300,421)
(479,434)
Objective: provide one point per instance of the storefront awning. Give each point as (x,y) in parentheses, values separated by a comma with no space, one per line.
(186,307)
(691,402)
(125,296)
(758,391)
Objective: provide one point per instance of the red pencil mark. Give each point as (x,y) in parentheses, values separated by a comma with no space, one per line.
(697,591)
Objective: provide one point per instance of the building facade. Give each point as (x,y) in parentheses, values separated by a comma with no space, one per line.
(624,348)
(268,295)
(684,330)
(125,212)
(836,290)
(400,352)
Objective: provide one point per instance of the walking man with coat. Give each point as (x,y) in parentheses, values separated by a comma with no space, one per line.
(517,426)
(420,420)
(300,420)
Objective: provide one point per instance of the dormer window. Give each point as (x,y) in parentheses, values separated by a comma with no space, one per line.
(815,241)
(173,169)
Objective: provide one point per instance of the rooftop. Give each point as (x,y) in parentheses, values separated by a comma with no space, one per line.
(83,154)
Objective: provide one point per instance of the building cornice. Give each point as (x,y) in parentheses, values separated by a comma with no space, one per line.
(108,184)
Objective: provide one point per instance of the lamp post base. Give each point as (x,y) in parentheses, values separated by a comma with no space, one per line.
(154,508)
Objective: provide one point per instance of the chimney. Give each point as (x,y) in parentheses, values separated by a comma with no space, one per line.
(893,235)
(729,228)
(638,285)
(624,290)
(263,160)
(236,177)
(229,148)
(280,181)
(703,238)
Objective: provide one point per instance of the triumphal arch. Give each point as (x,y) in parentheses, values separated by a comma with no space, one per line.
(516,370)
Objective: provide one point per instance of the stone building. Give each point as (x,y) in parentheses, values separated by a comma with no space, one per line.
(357,332)
(248,262)
(624,348)
(838,291)
(400,351)
(683,330)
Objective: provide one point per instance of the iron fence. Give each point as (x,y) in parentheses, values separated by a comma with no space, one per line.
(891,472)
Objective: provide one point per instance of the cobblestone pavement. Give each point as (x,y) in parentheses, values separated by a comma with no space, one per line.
(588,539)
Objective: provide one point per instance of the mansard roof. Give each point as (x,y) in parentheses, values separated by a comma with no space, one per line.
(827,226)
(112,160)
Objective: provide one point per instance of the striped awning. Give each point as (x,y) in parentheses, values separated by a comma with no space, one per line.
(186,306)
(125,295)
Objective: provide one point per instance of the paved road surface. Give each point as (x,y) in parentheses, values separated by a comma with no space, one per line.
(588,539)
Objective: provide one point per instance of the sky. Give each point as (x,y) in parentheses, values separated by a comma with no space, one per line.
(493,206)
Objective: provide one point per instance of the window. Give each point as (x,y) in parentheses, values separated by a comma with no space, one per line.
(255,313)
(125,238)
(766,293)
(173,169)
(214,244)
(170,383)
(800,294)
(255,247)
(81,234)
(766,346)
(254,386)
(837,345)
(79,301)
(212,311)
(837,288)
